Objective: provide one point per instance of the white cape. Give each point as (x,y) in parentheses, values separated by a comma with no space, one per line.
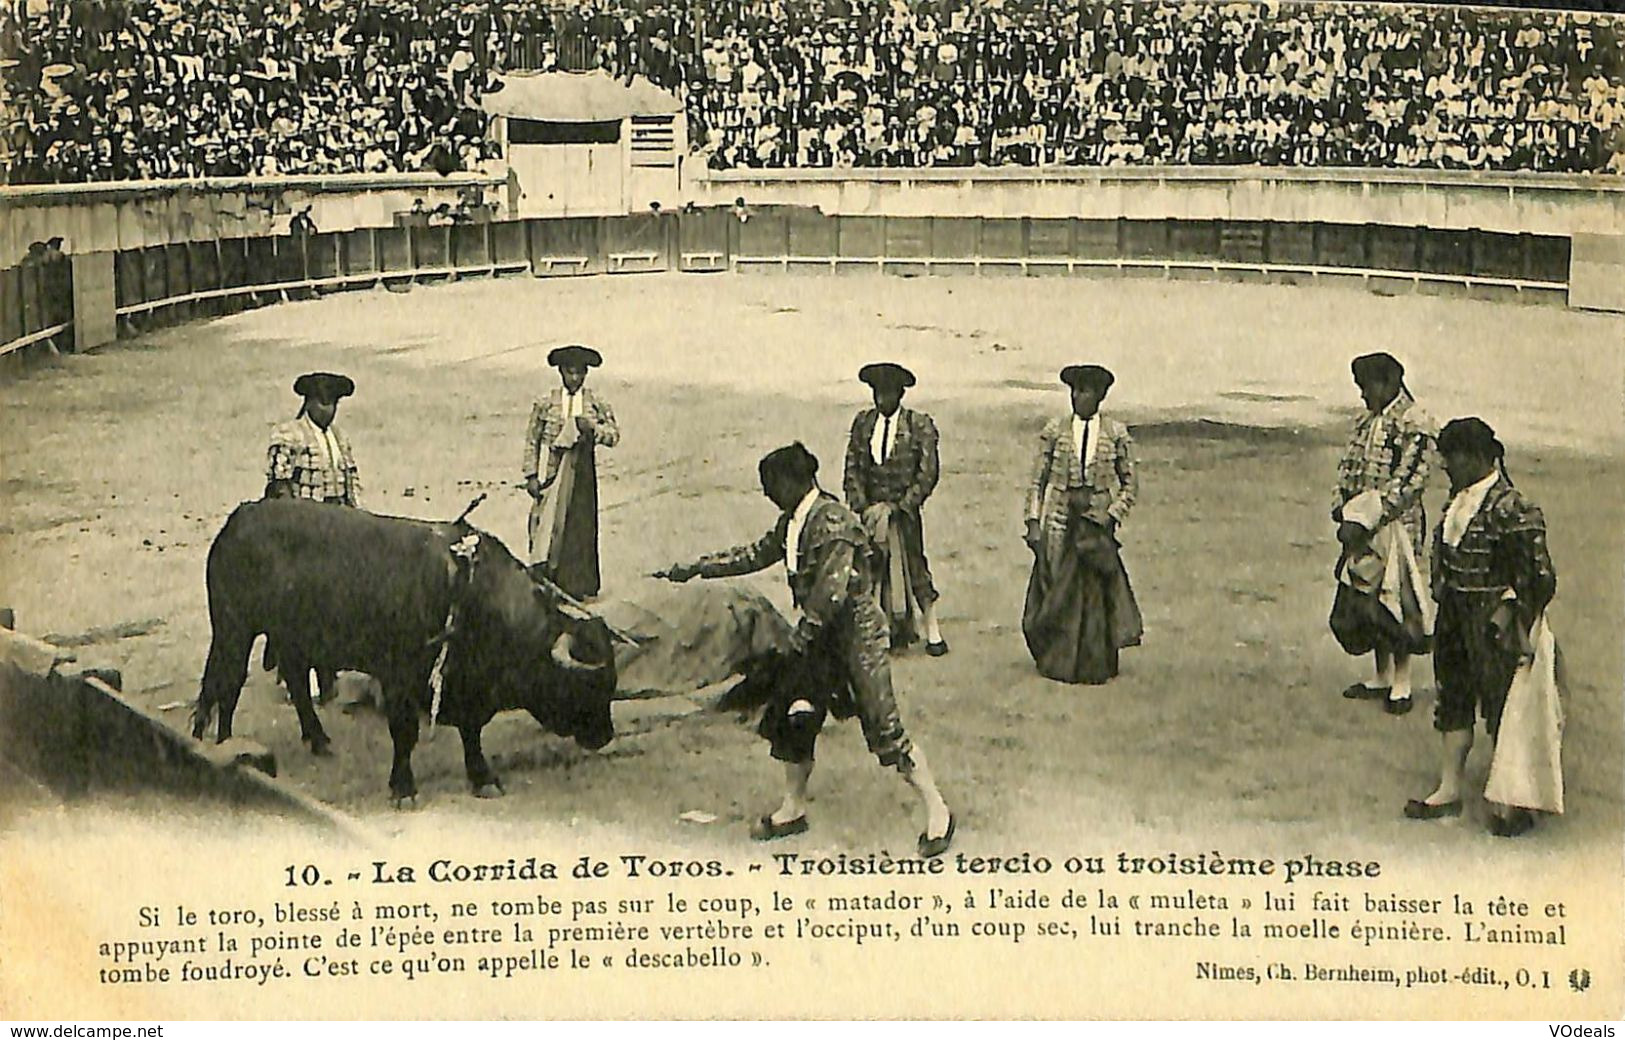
(1527,770)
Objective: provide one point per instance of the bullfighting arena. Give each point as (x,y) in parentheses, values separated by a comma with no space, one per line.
(120,466)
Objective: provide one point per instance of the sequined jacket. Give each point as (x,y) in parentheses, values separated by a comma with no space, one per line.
(1389,452)
(297,460)
(829,576)
(909,474)
(1058,470)
(1503,548)
(547,421)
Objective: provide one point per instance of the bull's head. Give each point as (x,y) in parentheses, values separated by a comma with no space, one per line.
(564,655)
(584,654)
(525,645)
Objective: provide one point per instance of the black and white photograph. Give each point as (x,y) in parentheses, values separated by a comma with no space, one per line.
(811,509)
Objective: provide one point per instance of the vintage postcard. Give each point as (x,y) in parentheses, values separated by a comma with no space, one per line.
(822,509)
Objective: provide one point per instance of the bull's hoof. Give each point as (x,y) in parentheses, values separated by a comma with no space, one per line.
(404,802)
(490,790)
(322,748)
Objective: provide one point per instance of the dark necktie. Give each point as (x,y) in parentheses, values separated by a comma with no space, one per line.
(1083,451)
(885,441)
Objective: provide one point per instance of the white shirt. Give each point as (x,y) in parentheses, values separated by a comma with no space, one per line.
(792,533)
(884,439)
(571,406)
(1383,416)
(1086,452)
(332,458)
(1464,506)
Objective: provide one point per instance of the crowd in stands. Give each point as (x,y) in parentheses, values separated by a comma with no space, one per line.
(1163,82)
(143,89)
(105,89)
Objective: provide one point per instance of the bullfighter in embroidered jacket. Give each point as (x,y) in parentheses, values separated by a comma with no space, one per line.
(561,475)
(891,469)
(1378,510)
(1493,578)
(1080,610)
(309,457)
(822,543)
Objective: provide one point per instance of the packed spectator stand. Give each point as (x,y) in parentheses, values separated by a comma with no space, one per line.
(94,90)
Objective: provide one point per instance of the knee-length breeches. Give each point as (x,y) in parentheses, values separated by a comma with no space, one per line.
(850,674)
(1471,669)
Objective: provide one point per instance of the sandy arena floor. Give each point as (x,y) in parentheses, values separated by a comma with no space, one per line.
(119,467)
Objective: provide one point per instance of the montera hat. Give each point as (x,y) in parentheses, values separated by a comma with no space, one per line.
(324,386)
(1471,434)
(1376,365)
(886,374)
(1097,376)
(574,356)
(791,460)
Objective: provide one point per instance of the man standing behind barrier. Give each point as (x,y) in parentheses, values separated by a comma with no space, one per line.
(891,469)
(565,428)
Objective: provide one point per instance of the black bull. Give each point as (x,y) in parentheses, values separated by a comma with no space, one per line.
(338,588)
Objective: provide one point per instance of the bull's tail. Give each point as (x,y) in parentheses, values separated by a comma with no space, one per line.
(231,637)
(202,714)
(223,678)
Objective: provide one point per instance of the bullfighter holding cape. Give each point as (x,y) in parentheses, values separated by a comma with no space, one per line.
(838,646)
(891,469)
(1382,606)
(1080,609)
(1494,654)
(565,429)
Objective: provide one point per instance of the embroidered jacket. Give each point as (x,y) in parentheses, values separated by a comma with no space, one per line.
(1503,548)
(547,422)
(909,474)
(1058,470)
(829,552)
(1389,452)
(298,456)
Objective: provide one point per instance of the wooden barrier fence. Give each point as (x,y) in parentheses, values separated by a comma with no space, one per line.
(36,302)
(162,284)
(796,239)
(159,284)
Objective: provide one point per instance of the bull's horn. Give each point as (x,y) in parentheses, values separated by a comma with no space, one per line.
(576,610)
(564,658)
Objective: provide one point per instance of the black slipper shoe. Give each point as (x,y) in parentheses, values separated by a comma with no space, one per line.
(931,848)
(1397,705)
(1416,809)
(766,829)
(1519,823)
(1362,692)
(938,648)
